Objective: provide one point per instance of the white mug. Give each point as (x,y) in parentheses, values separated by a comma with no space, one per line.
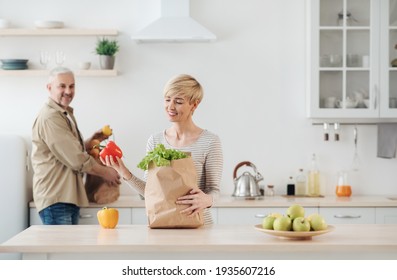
(365,61)
(329,102)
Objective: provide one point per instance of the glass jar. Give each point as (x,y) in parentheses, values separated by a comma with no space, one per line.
(270,190)
(343,189)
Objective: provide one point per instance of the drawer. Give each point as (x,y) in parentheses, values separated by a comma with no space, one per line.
(252,216)
(348,215)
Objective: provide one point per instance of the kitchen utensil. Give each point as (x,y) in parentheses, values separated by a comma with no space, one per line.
(246,185)
(356,160)
(294,234)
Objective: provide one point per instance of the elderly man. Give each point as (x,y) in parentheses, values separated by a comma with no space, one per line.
(59,157)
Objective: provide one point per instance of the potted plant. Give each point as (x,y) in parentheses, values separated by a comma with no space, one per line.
(106,49)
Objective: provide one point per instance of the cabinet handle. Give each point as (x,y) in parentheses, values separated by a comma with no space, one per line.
(260,215)
(376,96)
(85,216)
(347,216)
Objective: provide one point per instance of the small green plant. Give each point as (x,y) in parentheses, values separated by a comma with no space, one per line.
(107,47)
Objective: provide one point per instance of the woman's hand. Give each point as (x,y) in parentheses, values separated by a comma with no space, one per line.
(117,165)
(197,199)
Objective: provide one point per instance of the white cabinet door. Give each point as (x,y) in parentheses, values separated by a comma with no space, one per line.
(386,215)
(251,216)
(88,216)
(388,59)
(351,44)
(345,215)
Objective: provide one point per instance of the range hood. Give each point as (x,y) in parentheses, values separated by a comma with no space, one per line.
(174,25)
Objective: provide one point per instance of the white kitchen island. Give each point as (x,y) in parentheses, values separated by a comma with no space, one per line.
(209,242)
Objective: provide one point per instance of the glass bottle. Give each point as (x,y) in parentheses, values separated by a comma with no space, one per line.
(314,178)
(300,186)
(291,186)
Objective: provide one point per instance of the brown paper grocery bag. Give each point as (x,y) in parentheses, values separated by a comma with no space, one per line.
(163,187)
(99,191)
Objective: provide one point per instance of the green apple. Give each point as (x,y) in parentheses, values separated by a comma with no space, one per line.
(295,211)
(267,222)
(317,222)
(276,215)
(300,224)
(282,223)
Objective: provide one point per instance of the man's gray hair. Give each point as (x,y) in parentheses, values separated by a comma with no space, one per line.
(58,70)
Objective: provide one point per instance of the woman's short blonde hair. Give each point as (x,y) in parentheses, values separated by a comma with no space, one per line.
(186,86)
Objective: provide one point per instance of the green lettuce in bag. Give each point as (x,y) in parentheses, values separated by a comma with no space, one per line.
(161,157)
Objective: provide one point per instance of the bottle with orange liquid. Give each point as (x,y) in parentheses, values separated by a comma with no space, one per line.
(343,189)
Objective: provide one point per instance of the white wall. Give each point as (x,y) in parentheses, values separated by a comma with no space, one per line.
(253,76)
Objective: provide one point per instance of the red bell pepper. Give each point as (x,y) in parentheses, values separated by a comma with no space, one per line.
(111,149)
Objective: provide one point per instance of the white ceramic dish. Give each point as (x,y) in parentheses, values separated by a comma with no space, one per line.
(48,24)
(294,234)
(85,65)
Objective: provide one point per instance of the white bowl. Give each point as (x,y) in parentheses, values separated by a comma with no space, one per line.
(84,65)
(48,24)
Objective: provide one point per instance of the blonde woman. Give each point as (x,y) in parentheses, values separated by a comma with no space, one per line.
(182,96)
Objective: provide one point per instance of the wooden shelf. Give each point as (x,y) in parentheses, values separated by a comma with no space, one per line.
(57,32)
(38,72)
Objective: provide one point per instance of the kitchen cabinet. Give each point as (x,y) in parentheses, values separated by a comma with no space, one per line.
(87,216)
(348,215)
(251,216)
(387,215)
(351,44)
(79,32)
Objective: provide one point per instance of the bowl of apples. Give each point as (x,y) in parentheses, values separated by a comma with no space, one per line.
(294,224)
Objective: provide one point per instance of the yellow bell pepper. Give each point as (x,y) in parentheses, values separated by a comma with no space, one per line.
(108,217)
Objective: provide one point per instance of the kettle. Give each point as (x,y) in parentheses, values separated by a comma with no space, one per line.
(246,185)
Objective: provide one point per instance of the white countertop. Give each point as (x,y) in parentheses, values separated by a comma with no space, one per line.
(235,242)
(276,201)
